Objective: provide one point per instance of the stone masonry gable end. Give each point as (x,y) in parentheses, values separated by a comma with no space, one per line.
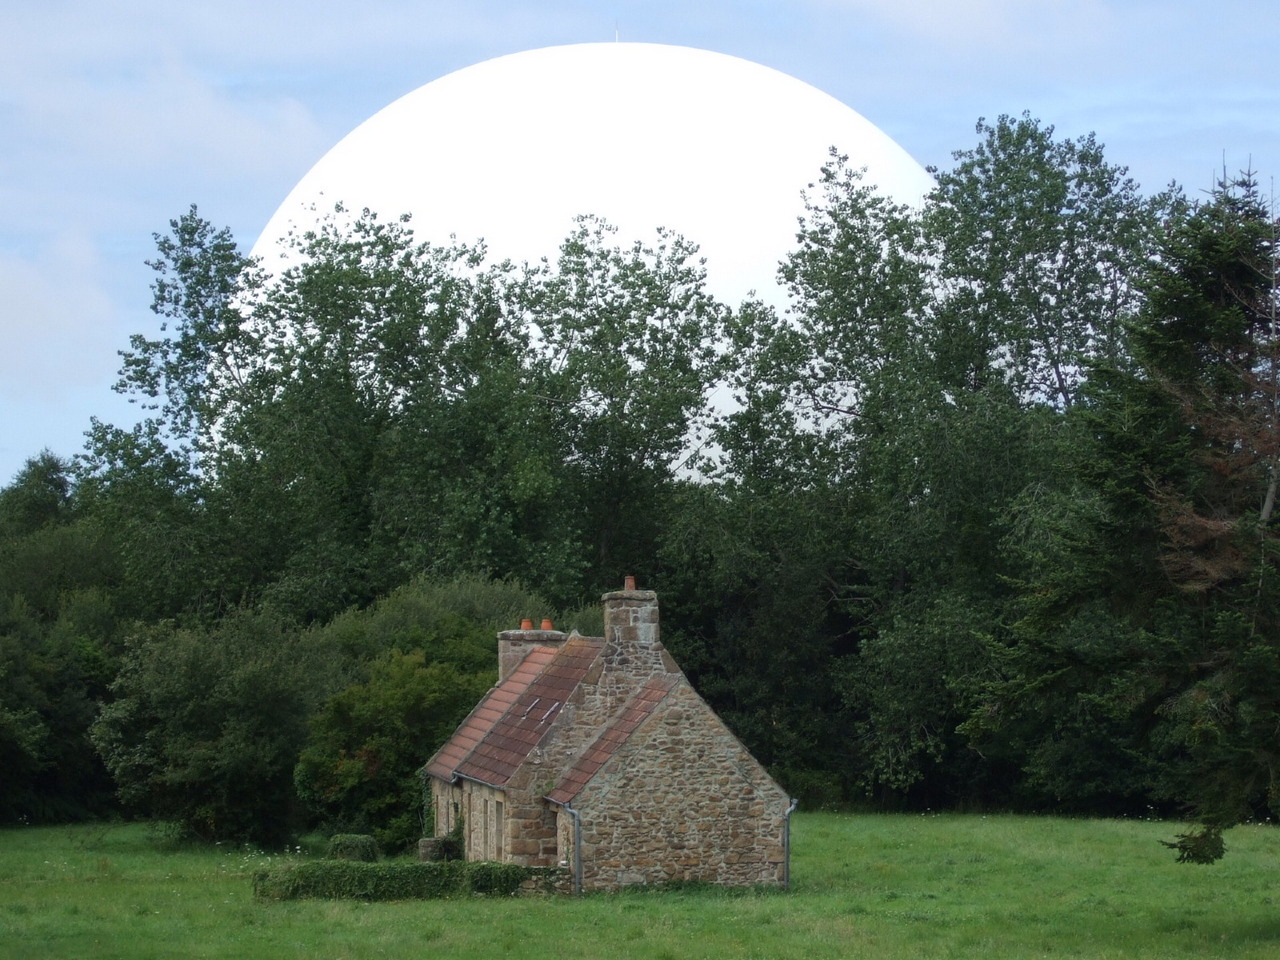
(639,708)
(681,800)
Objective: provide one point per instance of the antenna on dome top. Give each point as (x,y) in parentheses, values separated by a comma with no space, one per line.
(615,31)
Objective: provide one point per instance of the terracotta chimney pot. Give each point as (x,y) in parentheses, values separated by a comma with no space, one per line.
(629,583)
(546,624)
(526,624)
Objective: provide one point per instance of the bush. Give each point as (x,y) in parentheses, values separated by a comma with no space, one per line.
(392,880)
(499,879)
(204,727)
(353,846)
(358,771)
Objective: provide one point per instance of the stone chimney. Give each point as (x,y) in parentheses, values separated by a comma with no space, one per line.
(514,645)
(631,655)
(632,638)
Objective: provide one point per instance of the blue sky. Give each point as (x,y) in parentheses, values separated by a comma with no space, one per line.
(115,117)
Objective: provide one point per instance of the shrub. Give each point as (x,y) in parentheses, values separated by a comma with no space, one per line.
(392,880)
(451,846)
(353,846)
(501,879)
(358,771)
(204,726)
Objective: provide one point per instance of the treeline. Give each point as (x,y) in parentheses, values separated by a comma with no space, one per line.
(983,519)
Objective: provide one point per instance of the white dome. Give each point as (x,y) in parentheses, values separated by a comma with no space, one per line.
(643,135)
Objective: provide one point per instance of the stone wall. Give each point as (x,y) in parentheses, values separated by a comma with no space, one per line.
(531,823)
(483,812)
(681,800)
(631,654)
(633,650)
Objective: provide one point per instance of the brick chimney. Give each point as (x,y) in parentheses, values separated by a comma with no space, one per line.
(514,645)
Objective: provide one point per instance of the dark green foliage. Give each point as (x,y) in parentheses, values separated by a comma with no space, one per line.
(392,880)
(367,742)
(990,521)
(913,683)
(1202,846)
(453,845)
(141,499)
(426,653)
(354,880)
(184,376)
(38,497)
(387,408)
(1210,351)
(58,648)
(353,846)
(46,550)
(1039,243)
(503,879)
(1147,589)
(205,726)
(630,351)
(455,620)
(749,612)
(52,676)
(922,382)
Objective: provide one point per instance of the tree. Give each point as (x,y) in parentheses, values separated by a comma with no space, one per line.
(57,647)
(751,578)
(628,351)
(204,728)
(39,496)
(190,376)
(927,362)
(1147,595)
(361,375)
(144,487)
(1035,242)
(359,769)
(1210,346)
(421,658)
(385,408)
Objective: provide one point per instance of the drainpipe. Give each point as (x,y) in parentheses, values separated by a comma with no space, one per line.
(786,845)
(577,847)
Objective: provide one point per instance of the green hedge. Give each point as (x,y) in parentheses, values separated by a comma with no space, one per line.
(392,880)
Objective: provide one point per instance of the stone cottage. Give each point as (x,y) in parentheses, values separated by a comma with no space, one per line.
(596,754)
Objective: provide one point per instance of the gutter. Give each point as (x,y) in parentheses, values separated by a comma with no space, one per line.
(786,845)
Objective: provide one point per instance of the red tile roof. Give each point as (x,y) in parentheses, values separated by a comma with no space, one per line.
(638,709)
(487,713)
(512,720)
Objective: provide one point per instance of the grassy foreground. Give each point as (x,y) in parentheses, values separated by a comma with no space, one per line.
(881,887)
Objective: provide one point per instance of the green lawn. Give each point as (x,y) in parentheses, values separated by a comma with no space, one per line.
(871,886)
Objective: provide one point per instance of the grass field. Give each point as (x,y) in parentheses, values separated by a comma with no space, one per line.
(882,887)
